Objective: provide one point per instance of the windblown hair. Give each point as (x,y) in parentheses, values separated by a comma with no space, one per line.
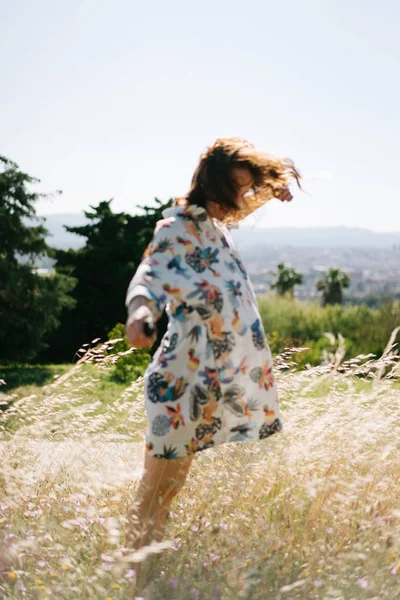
(213,178)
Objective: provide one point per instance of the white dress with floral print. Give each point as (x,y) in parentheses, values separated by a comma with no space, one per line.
(211,380)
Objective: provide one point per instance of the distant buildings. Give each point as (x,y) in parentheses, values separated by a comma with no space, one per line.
(371,270)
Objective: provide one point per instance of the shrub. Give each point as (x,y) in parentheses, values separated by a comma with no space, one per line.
(130,366)
(290,322)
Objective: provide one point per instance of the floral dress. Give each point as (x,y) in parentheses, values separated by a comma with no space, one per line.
(211,379)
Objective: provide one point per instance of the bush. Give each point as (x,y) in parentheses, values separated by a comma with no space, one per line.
(290,322)
(131,366)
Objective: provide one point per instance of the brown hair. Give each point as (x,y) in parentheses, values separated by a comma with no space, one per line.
(213,178)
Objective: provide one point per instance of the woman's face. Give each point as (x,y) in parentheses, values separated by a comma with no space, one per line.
(244,182)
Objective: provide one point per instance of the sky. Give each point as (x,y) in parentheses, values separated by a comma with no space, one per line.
(118,98)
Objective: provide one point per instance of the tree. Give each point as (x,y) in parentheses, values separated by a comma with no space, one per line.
(30,305)
(103,267)
(332,286)
(285,280)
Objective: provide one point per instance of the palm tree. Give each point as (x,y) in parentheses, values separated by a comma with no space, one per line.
(285,280)
(332,286)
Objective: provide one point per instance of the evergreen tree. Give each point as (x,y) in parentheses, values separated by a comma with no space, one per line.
(30,304)
(103,267)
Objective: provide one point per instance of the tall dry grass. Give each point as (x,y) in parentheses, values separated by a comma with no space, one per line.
(311,513)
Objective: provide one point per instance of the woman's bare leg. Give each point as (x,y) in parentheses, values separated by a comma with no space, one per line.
(160,483)
(147,518)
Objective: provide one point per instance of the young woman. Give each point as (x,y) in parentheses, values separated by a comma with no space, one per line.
(211,380)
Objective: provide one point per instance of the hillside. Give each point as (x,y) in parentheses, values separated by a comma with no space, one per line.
(255,237)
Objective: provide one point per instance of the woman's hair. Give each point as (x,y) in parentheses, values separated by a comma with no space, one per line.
(213,178)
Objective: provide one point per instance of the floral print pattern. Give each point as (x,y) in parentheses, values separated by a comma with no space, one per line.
(211,380)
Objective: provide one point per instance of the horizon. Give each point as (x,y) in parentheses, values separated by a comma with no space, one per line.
(128,119)
(245,225)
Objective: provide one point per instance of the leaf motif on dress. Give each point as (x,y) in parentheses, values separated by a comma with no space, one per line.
(173,342)
(253,405)
(227,344)
(233,399)
(205,429)
(268,429)
(175,263)
(204,311)
(199,396)
(170,452)
(255,374)
(258,335)
(242,432)
(195,333)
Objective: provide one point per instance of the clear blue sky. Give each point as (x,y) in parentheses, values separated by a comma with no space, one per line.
(117,98)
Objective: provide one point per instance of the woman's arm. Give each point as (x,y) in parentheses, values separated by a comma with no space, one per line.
(162,277)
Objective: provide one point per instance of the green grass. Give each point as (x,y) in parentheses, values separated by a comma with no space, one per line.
(27,377)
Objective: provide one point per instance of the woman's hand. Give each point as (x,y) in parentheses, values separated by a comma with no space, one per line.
(140,315)
(284,195)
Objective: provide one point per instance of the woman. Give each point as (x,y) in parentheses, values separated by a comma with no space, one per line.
(211,380)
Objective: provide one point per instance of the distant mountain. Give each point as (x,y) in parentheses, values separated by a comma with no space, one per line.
(322,237)
(252,237)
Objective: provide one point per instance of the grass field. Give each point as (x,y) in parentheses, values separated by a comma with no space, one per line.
(311,513)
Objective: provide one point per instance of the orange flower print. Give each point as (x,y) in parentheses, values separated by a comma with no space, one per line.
(269,414)
(193,362)
(209,409)
(176,416)
(263,376)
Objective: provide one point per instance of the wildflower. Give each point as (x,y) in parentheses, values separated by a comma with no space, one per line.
(130,574)
(116,586)
(43,587)
(217,593)
(363,583)
(38,582)
(319,571)
(54,574)
(173,582)
(65,567)
(12,575)
(214,557)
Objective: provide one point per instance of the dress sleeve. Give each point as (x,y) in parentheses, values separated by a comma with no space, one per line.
(162,275)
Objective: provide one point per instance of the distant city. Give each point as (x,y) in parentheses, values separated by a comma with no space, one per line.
(372,260)
(372,271)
